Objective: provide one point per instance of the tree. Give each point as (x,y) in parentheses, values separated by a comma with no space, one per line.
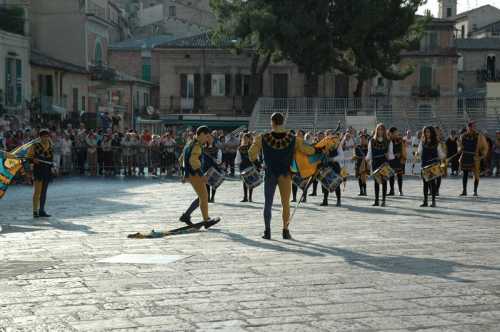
(372,35)
(251,25)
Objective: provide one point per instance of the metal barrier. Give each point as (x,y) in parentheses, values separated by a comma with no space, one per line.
(448,112)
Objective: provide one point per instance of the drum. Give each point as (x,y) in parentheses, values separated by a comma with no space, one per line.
(299,181)
(215,178)
(383,173)
(432,172)
(329,179)
(251,177)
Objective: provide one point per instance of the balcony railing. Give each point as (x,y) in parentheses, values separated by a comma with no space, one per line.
(426,92)
(484,75)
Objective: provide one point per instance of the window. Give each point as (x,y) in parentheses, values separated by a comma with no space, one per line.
(187,86)
(171,11)
(218,85)
(462,31)
(146,69)
(98,54)
(83,103)
(430,41)
(13,82)
(460,63)
(448,12)
(425,80)
(380,82)
(146,100)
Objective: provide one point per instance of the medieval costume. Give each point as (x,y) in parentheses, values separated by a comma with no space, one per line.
(399,162)
(278,147)
(473,148)
(362,170)
(452,149)
(334,155)
(243,159)
(41,153)
(430,152)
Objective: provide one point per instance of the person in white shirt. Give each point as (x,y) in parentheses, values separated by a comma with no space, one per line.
(380,151)
(430,152)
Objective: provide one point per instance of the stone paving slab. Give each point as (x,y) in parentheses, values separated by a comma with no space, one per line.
(354,268)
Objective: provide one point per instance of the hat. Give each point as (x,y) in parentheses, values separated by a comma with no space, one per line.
(43,132)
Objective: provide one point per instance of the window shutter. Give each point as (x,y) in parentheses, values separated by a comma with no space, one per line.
(197,85)
(239,84)
(183,85)
(208,84)
(228,85)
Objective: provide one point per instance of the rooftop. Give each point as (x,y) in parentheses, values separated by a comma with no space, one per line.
(200,41)
(463,14)
(42,60)
(478,44)
(140,43)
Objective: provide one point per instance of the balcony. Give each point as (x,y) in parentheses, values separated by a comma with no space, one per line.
(426,92)
(484,75)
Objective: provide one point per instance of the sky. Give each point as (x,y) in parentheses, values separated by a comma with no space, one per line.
(463,5)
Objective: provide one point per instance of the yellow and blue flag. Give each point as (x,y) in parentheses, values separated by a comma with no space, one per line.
(9,167)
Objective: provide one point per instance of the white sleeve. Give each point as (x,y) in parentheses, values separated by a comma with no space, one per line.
(420,149)
(390,152)
(340,154)
(369,153)
(441,153)
(237,161)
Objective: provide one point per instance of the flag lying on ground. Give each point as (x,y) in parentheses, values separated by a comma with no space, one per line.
(9,167)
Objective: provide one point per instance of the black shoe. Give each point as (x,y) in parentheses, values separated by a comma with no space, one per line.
(36,215)
(286,235)
(475,194)
(424,204)
(304,200)
(244,200)
(433,204)
(401,193)
(375,204)
(463,193)
(211,222)
(383,203)
(186,219)
(267,235)
(294,200)
(437,193)
(325,203)
(391,193)
(338,204)
(43,214)
(313,194)
(360,193)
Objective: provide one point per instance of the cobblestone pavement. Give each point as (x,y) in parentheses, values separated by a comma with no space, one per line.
(354,268)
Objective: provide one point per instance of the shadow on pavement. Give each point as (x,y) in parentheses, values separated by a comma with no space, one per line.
(432,267)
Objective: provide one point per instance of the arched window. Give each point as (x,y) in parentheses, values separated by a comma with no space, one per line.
(98,53)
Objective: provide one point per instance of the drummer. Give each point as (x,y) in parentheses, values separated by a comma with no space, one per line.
(380,151)
(362,171)
(430,152)
(334,156)
(278,147)
(473,147)
(399,162)
(192,161)
(243,160)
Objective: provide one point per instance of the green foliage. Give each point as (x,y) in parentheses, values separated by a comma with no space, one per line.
(363,38)
(12,19)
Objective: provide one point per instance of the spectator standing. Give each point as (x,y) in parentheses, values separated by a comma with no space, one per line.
(57,151)
(116,144)
(66,154)
(91,141)
(107,154)
(168,154)
(452,149)
(81,148)
(155,154)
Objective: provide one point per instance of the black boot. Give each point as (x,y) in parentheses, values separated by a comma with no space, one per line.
(476,185)
(338,203)
(267,234)
(43,214)
(286,234)
(383,202)
(245,194)
(433,204)
(35,214)
(391,184)
(424,204)
(325,201)
(360,187)
(364,190)
(213,196)
(186,219)
(250,195)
